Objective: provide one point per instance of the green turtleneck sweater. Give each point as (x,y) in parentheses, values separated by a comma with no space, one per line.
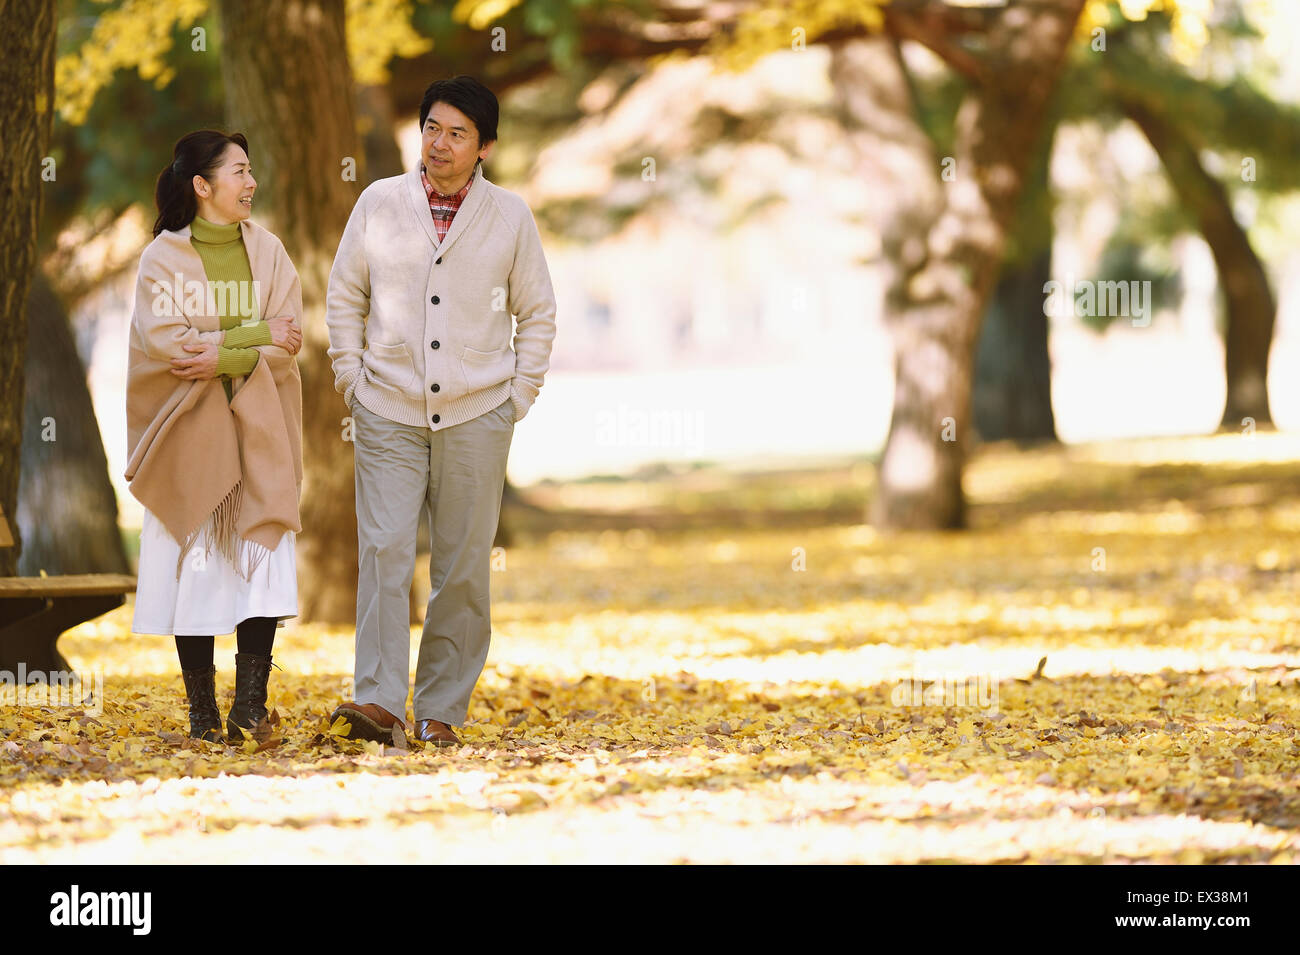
(225,260)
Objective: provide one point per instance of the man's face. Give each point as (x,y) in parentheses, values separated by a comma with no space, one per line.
(450,147)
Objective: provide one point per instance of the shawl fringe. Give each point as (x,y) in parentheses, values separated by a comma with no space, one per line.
(219,531)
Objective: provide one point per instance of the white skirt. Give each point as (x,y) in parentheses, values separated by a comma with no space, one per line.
(210,598)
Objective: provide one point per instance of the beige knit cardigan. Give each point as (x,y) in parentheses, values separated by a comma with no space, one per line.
(229,470)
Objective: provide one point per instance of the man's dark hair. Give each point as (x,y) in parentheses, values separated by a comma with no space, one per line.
(470,97)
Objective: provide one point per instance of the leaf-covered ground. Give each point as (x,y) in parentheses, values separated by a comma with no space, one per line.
(739,695)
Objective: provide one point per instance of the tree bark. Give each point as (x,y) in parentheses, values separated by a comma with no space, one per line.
(1013,369)
(289,88)
(947,264)
(1250,305)
(880,119)
(1013,372)
(375,112)
(67,509)
(26,114)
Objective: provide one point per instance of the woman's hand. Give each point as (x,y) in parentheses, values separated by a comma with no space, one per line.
(285,334)
(199,368)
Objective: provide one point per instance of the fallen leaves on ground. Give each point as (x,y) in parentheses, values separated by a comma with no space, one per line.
(695,698)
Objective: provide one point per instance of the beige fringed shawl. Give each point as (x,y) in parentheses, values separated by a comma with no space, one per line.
(230,471)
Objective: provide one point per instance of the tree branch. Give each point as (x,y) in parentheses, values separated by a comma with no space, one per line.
(930,30)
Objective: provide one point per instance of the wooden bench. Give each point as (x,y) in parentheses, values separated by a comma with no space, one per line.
(35,612)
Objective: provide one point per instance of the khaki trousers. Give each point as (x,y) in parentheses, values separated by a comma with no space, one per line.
(458,473)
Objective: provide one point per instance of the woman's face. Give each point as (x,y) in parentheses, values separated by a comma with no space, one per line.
(226,196)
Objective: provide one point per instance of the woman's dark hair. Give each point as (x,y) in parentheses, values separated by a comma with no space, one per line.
(196,154)
(470,97)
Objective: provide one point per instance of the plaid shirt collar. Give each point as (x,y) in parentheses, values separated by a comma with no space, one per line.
(444,207)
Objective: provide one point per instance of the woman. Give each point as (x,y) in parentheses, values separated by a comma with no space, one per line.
(214,422)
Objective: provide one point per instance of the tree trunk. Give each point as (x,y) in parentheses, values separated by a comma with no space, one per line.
(289,88)
(1249,298)
(1013,369)
(947,265)
(375,112)
(67,509)
(26,112)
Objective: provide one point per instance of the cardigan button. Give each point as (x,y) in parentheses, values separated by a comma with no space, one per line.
(436,418)
(435,300)
(435,388)
(433,344)
(439,261)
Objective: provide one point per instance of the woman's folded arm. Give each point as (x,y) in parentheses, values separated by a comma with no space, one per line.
(236,361)
(246,336)
(161,322)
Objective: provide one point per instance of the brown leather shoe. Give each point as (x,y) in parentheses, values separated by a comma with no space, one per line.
(439,734)
(368,720)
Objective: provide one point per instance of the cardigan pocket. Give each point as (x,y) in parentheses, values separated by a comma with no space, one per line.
(483,369)
(389,364)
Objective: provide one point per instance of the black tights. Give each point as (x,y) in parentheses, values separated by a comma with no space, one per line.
(255,635)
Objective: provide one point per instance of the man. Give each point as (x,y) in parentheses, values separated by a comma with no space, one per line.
(431,267)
